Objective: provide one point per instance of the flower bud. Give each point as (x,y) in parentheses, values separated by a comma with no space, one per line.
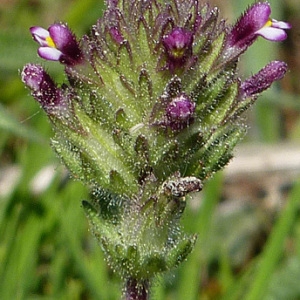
(261,81)
(178,45)
(180,111)
(43,88)
(116,35)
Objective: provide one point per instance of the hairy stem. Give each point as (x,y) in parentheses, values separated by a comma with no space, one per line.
(136,290)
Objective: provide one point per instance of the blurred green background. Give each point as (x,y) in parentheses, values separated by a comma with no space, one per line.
(249,240)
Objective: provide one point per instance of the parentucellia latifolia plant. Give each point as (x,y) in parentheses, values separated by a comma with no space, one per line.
(150,110)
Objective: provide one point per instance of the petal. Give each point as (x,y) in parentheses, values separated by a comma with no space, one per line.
(280,24)
(254,18)
(61,35)
(65,41)
(40,35)
(257,15)
(272,34)
(49,53)
(178,38)
(39,31)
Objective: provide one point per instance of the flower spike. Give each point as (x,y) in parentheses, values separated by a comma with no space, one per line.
(58,43)
(150,110)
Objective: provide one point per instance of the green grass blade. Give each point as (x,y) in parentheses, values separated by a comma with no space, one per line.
(190,276)
(274,247)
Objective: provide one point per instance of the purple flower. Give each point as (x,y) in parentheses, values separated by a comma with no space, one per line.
(254,22)
(179,112)
(261,81)
(43,88)
(178,45)
(57,43)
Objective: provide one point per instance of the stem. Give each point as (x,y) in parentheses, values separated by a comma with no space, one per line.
(136,290)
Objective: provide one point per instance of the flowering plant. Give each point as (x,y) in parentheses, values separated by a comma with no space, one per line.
(150,111)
